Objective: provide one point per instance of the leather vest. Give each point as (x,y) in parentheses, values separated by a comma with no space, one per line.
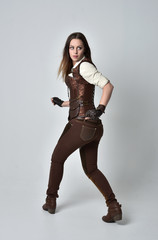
(81,93)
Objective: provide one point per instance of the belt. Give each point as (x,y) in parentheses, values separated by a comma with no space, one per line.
(88,120)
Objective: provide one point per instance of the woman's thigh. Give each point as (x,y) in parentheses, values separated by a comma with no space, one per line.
(76,134)
(68,142)
(89,153)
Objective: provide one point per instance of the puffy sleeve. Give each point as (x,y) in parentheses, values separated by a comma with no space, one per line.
(89,72)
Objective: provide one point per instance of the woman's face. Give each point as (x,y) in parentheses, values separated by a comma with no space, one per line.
(76,50)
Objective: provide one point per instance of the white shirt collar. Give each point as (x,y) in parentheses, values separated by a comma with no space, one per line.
(76,64)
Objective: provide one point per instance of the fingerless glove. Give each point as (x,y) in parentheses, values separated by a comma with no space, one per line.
(57,101)
(96,113)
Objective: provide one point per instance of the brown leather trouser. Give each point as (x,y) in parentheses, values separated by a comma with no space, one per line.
(85,135)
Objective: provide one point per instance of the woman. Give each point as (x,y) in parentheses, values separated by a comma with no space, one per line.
(84,128)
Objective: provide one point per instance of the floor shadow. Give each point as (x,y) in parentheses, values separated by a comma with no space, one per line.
(74,201)
(124,221)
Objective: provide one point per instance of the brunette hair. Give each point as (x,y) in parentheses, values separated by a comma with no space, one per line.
(66,63)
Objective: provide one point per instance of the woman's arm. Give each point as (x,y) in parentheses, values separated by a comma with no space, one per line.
(59,102)
(106,94)
(65,104)
(90,73)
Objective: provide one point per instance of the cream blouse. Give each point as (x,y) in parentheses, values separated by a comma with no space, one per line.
(90,73)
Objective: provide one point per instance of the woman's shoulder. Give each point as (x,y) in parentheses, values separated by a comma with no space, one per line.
(87,60)
(86,65)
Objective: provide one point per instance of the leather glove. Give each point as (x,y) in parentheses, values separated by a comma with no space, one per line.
(96,113)
(57,101)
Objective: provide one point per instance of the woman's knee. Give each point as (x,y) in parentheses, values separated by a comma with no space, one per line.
(90,171)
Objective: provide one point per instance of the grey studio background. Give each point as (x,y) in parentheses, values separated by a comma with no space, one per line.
(123,38)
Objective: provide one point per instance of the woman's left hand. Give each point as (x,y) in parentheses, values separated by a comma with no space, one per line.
(93,114)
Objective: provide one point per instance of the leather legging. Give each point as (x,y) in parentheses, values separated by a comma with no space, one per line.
(85,135)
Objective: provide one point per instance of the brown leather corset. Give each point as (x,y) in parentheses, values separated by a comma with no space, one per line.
(81,94)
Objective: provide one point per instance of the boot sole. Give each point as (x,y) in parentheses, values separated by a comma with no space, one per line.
(117,217)
(50,210)
(114,219)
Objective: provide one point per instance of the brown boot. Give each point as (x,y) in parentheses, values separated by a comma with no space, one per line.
(50,205)
(114,213)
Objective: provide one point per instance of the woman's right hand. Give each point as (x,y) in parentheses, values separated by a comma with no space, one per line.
(56,100)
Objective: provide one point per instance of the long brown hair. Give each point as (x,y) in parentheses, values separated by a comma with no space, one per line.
(66,63)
